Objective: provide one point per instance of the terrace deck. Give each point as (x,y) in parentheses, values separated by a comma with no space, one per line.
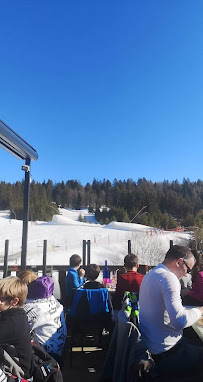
(87,365)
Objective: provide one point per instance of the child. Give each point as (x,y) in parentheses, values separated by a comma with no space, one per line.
(75,277)
(45,315)
(92,273)
(14,328)
(27,276)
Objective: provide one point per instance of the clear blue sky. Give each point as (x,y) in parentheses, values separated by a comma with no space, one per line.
(103,88)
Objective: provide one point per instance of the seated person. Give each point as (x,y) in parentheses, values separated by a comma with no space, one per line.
(92,273)
(194,296)
(163,317)
(27,276)
(14,329)
(45,315)
(75,277)
(102,319)
(129,281)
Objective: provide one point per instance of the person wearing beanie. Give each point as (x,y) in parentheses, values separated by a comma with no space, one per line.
(46,317)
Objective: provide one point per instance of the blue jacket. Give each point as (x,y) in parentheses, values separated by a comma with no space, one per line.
(73,281)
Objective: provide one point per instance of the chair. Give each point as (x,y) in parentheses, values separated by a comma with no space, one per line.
(89,316)
(125,354)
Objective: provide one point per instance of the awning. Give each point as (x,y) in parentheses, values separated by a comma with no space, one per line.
(16,145)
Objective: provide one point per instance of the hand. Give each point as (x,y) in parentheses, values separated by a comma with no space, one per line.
(81,273)
(145,366)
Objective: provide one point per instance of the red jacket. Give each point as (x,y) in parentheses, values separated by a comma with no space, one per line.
(129,281)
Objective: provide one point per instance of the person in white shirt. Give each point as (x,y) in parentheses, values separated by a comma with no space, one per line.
(163,317)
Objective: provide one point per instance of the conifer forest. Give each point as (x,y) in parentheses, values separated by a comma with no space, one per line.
(162,204)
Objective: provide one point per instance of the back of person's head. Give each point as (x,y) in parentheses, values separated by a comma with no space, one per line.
(92,271)
(40,288)
(131,261)
(75,261)
(178,251)
(27,276)
(12,287)
(198,267)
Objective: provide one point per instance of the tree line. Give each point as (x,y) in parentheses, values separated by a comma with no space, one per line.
(165,203)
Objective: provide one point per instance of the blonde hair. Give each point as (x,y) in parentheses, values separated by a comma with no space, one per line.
(11,287)
(27,276)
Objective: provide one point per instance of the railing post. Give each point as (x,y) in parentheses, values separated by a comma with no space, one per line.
(171,244)
(129,247)
(62,279)
(44,257)
(84,243)
(6,258)
(88,251)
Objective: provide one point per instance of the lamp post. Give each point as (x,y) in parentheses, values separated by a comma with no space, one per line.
(26,168)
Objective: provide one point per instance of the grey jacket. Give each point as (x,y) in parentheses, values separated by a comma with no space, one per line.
(125,352)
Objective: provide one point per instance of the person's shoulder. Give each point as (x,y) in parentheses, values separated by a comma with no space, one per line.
(13,312)
(159,272)
(139,275)
(71,270)
(71,273)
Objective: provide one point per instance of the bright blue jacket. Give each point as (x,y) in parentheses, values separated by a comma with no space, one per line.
(73,281)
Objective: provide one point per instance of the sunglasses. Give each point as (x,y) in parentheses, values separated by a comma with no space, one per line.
(189,270)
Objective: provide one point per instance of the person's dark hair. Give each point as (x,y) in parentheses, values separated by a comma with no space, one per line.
(178,251)
(75,260)
(92,271)
(130,261)
(198,267)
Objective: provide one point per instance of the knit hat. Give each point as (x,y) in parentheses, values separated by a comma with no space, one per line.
(42,287)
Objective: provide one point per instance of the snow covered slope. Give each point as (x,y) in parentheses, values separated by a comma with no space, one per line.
(65,235)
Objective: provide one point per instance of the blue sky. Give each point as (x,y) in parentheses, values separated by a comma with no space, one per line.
(104,89)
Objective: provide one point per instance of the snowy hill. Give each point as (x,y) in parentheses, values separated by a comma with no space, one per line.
(65,235)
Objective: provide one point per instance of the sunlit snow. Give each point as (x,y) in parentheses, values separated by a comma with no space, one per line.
(64,235)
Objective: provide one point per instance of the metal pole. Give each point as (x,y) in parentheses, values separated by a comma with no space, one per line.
(6,258)
(84,243)
(129,247)
(88,251)
(44,257)
(26,213)
(171,243)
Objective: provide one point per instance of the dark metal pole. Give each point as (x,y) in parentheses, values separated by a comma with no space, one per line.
(84,243)
(6,258)
(171,243)
(129,247)
(26,213)
(44,257)
(88,251)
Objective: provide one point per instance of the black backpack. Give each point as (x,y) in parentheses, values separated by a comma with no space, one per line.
(45,367)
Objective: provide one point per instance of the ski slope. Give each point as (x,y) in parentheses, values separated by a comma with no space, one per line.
(64,235)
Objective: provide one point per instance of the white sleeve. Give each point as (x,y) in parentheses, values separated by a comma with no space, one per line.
(180,317)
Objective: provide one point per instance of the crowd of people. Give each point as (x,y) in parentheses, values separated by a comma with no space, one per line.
(29,311)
